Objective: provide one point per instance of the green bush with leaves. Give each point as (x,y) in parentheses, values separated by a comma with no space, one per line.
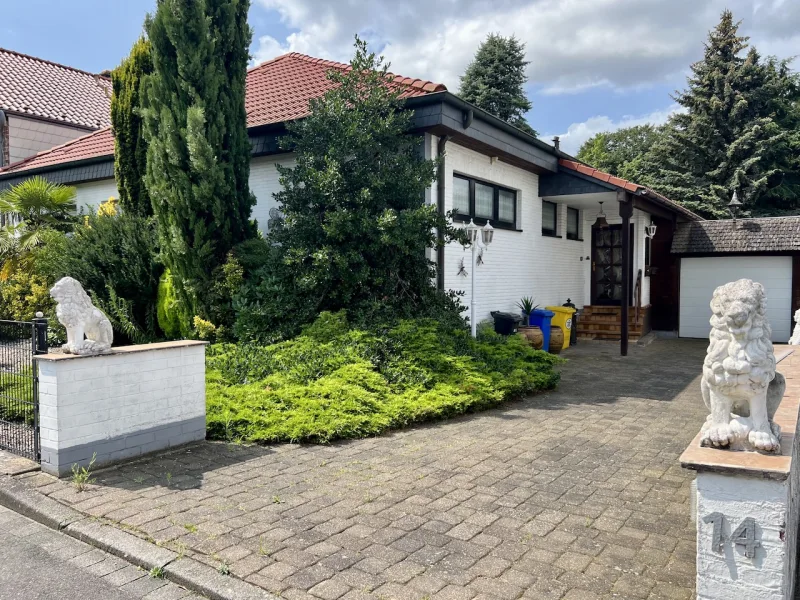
(337,381)
(115,258)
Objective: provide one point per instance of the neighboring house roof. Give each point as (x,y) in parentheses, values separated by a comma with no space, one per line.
(629,186)
(278,90)
(39,88)
(771,234)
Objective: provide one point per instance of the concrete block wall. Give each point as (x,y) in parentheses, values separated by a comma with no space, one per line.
(29,136)
(135,400)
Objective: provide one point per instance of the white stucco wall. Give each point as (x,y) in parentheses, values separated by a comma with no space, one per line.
(90,195)
(518,263)
(29,136)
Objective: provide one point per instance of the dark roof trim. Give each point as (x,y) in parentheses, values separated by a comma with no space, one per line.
(78,171)
(84,171)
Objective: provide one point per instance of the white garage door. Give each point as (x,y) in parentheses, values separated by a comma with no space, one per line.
(700,276)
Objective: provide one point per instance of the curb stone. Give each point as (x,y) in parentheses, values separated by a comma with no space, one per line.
(184,571)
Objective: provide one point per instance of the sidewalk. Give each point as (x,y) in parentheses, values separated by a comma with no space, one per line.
(571,494)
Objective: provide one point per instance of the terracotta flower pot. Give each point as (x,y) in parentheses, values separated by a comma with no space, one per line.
(556,340)
(533,335)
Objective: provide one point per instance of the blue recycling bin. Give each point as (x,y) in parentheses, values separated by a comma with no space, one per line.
(541,318)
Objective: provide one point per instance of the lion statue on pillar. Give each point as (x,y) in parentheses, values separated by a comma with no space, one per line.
(740,385)
(88,329)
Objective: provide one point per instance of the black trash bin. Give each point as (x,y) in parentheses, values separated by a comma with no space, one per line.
(505,323)
(573,332)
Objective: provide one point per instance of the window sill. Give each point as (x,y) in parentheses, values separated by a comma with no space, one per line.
(574,239)
(552,235)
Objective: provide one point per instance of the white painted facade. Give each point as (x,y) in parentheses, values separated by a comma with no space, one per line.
(136,400)
(26,136)
(525,262)
(92,194)
(518,263)
(700,276)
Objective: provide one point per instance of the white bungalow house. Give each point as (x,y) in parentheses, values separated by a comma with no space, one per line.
(542,202)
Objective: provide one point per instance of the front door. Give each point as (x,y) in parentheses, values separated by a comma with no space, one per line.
(607,265)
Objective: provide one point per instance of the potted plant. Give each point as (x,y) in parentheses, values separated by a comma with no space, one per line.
(531,333)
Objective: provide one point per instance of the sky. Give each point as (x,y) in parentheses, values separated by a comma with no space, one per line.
(595,65)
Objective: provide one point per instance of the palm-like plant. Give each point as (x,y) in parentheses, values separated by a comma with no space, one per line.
(28,209)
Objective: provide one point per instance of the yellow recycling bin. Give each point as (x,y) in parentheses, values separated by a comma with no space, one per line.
(562,319)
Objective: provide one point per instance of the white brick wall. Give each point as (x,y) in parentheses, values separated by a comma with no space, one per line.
(100,403)
(90,195)
(518,263)
(29,136)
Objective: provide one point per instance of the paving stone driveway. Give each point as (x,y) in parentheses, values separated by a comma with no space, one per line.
(573,494)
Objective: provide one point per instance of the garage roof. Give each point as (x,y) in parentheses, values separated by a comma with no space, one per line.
(771,234)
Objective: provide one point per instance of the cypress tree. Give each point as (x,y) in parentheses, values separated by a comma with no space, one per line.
(738,132)
(494,80)
(130,149)
(198,155)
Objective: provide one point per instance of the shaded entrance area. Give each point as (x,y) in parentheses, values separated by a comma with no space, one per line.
(576,493)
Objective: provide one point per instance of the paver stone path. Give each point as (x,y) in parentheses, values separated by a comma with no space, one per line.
(576,493)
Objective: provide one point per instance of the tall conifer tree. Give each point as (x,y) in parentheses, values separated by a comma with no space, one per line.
(130,149)
(198,156)
(738,132)
(494,80)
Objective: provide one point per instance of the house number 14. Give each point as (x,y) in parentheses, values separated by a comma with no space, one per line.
(745,534)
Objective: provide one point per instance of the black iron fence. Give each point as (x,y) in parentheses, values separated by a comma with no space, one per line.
(20,341)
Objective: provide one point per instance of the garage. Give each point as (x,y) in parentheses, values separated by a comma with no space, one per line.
(713,253)
(700,276)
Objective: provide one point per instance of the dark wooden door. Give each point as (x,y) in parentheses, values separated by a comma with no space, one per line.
(607,265)
(664,278)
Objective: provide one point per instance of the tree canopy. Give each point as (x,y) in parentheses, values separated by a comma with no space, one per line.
(614,152)
(195,126)
(739,131)
(355,225)
(130,148)
(494,80)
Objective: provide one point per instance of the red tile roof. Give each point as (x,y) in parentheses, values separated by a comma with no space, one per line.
(629,186)
(278,90)
(39,88)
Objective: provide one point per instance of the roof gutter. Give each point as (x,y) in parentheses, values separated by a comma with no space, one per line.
(3,123)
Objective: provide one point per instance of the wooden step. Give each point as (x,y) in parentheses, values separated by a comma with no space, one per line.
(608,337)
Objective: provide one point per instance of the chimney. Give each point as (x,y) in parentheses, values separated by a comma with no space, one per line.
(557,143)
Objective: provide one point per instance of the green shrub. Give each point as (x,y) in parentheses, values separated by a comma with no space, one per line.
(335,381)
(169,317)
(115,258)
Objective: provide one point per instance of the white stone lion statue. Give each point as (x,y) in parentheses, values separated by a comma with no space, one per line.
(795,339)
(76,312)
(740,385)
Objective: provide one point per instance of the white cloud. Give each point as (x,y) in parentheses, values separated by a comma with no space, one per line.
(572,44)
(578,133)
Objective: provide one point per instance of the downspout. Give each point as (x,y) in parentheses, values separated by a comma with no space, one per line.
(440,188)
(3,124)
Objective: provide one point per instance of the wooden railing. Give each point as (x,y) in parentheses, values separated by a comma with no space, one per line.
(637,294)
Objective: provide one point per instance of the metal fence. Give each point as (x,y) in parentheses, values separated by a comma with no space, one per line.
(19,385)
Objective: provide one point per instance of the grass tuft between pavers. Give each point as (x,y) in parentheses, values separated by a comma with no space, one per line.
(334,381)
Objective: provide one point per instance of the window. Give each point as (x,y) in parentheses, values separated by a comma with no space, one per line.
(549,215)
(573,224)
(483,202)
